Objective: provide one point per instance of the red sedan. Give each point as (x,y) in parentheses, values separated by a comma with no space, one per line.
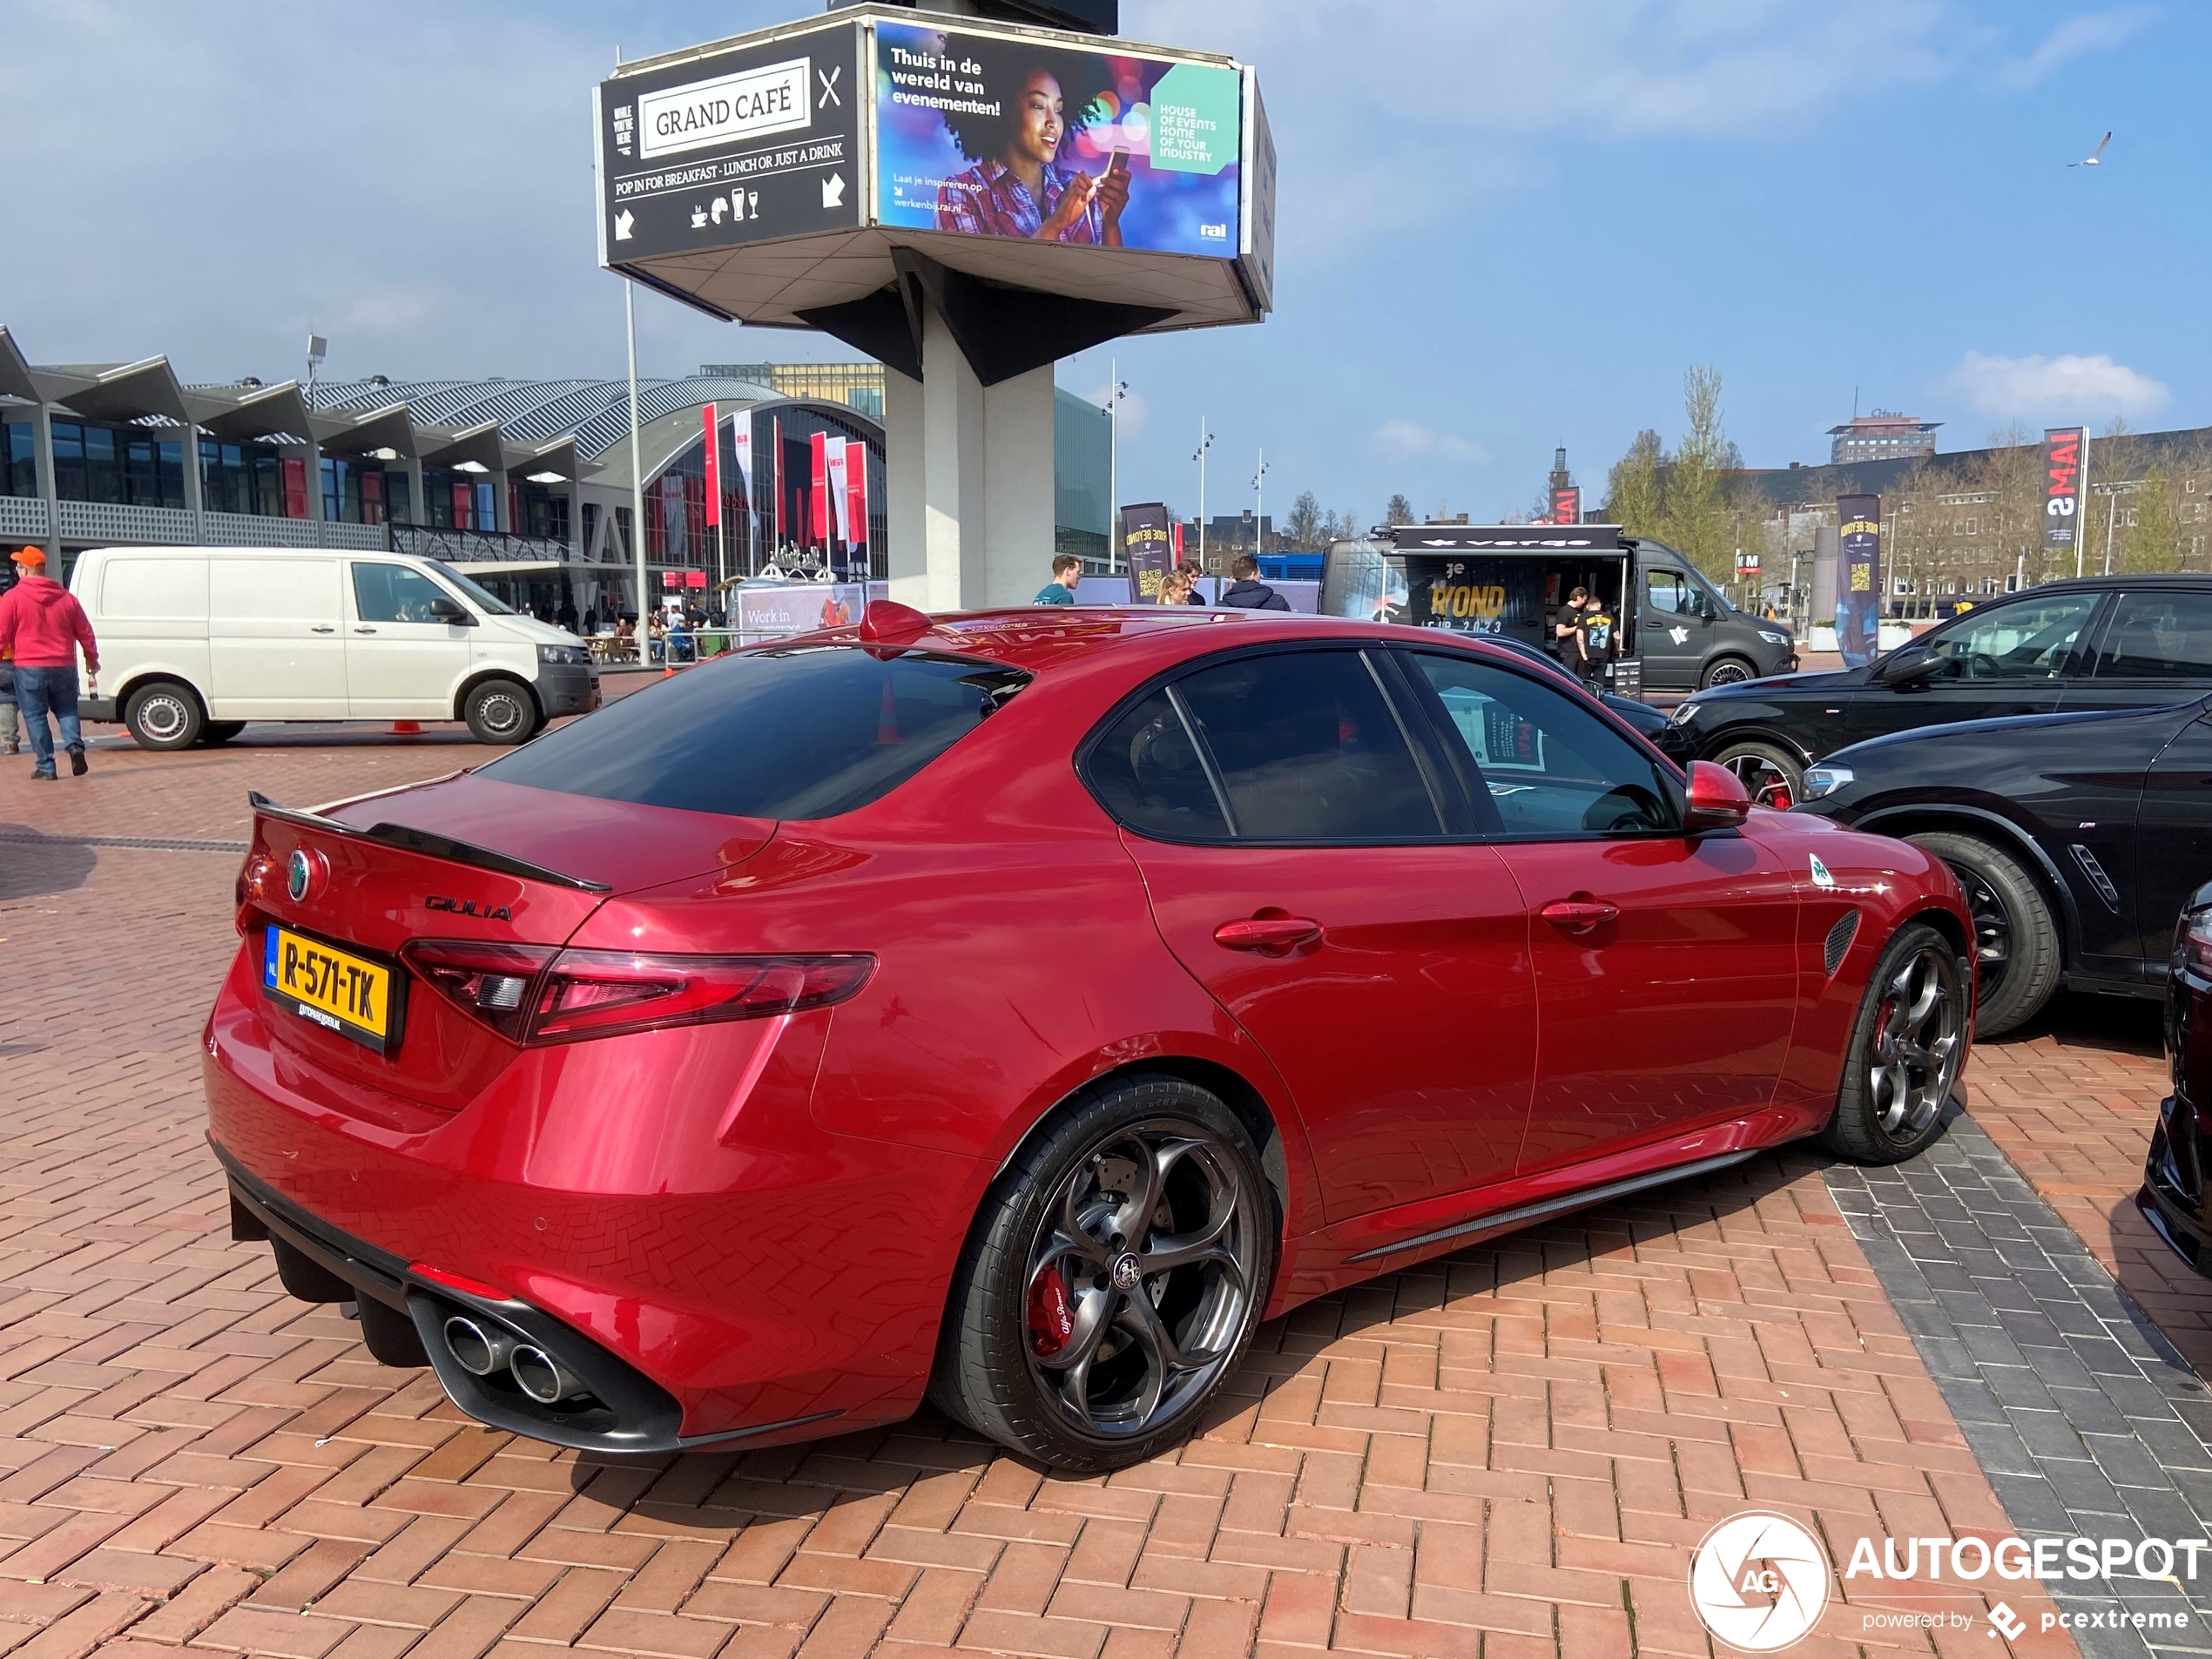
(1016,1008)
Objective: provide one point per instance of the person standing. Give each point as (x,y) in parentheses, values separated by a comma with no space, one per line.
(42,626)
(1067,572)
(1246,591)
(1593,642)
(1566,631)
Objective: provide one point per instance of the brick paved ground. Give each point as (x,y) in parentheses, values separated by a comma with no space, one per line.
(2072,1100)
(1503,1454)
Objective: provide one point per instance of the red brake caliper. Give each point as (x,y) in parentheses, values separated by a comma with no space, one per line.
(1051,1320)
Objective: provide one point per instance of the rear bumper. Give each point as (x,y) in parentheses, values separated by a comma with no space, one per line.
(568,688)
(2175,1198)
(715,1264)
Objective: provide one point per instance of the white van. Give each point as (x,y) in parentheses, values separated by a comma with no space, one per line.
(196,641)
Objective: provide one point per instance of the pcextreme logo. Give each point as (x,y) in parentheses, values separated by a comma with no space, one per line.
(1759,1581)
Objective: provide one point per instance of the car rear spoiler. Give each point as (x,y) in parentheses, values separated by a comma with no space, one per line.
(422,841)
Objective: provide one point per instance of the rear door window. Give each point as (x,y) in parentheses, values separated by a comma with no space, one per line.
(803,732)
(2158,637)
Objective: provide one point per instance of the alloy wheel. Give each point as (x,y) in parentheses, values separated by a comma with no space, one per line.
(1729,673)
(1762,781)
(1138,1286)
(1992,930)
(1916,1048)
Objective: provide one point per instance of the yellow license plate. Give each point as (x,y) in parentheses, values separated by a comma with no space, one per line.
(333,988)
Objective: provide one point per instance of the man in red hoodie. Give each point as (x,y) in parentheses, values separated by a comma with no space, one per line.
(42,624)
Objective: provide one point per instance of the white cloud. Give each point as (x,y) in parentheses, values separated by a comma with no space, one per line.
(2093,31)
(2059,388)
(1406,438)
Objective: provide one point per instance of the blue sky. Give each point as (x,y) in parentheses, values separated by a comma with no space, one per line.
(1505,227)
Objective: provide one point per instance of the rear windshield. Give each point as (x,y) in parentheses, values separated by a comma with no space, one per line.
(798,732)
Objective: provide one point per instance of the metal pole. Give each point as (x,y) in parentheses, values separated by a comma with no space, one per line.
(1113,464)
(2081,530)
(637,468)
(1259,506)
(2112,523)
(1205,442)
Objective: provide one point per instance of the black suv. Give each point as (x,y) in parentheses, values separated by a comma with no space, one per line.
(2099,643)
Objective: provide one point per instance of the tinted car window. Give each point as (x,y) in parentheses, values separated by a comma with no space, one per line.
(1146,771)
(2159,636)
(394,593)
(2026,639)
(808,732)
(1308,750)
(1550,767)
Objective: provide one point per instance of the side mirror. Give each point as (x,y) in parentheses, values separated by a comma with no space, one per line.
(1717,798)
(1908,666)
(453,611)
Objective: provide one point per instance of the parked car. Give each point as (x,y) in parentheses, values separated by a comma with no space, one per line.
(2075,837)
(2176,1195)
(196,641)
(1023,1011)
(1648,721)
(1688,633)
(2102,642)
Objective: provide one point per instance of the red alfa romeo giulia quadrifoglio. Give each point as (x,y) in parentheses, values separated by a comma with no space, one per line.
(1016,1008)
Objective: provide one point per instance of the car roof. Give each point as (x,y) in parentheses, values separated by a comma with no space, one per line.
(2100,583)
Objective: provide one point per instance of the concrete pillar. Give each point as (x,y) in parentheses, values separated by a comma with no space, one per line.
(418,510)
(503,516)
(42,449)
(969,474)
(314,490)
(195,485)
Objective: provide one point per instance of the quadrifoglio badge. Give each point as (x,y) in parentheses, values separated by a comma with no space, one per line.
(1760,1582)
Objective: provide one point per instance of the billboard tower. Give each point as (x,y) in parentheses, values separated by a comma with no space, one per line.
(969,199)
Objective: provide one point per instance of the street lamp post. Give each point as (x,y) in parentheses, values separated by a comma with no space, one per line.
(1259,506)
(1117,389)
(1205,442)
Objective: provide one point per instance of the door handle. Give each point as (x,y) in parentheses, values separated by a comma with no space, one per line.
(320,628)
(364,631)
(1275,935)
(1580,915)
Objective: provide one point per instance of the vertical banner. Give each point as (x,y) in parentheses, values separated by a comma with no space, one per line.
(1858,578)
(840,507)
(741,443)
(2063,454)
(1566,504)
(1148,544)
(776,480)
(712,418)
(817,501)
(856,491)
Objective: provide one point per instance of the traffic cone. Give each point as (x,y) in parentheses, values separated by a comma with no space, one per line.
(407,728)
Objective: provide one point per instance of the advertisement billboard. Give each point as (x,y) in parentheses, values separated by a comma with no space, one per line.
(1858,578)
(732,147)
(2064,453)
(1148,544)
(1020,136)
(1566,504)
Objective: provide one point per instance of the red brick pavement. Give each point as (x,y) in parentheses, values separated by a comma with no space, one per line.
(2072,1099)
(1506,1454)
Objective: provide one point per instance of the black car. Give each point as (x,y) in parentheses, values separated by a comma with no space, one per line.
(2076,837)
(2176,1195)
(2103,643)
(1645,718)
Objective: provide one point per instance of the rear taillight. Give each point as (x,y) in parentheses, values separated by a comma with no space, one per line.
(2193,944)
(533,995)
(253,877)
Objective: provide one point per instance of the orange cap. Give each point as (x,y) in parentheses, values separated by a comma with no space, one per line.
(31,558)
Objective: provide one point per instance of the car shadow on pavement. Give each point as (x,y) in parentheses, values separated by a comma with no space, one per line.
(2084,1020)
(35,866)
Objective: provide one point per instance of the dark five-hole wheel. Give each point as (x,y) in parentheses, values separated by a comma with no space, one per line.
(1770,775)
(1906,1047)
(2017,952)
(1114,1280)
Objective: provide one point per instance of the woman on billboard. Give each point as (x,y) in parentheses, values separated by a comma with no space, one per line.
(1018,186)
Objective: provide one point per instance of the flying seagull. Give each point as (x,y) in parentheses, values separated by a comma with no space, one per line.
(2091,160)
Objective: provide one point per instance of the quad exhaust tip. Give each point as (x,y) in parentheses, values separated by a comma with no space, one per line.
(478,1346)
(544,1377)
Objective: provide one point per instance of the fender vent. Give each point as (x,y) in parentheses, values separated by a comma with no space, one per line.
(1839,938)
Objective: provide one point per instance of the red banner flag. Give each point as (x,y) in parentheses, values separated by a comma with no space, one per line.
(856,490)
(713,420)
(776,471)
(817,503)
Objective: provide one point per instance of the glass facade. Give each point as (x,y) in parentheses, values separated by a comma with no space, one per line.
(536,510)
(360,492)
(782,488)
(134,465)
(858,386)
(458,501)
(246,478)
(18,459)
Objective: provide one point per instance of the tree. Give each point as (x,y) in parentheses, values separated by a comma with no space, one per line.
(2152,543)
(1303,529)
(1397,510)
(1634,498)
(1696,516)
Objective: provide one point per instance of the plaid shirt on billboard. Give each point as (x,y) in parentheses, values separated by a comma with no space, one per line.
(989,200)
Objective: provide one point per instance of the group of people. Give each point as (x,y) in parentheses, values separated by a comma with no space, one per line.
(1245,591)
(42,628)
(1582,635)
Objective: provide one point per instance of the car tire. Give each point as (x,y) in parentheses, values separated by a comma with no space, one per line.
(164,714)
(1728,671)
(501,711)
(218,732)
(1905,1050)
(1760,766)
(2018,953)
(1013,1322)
